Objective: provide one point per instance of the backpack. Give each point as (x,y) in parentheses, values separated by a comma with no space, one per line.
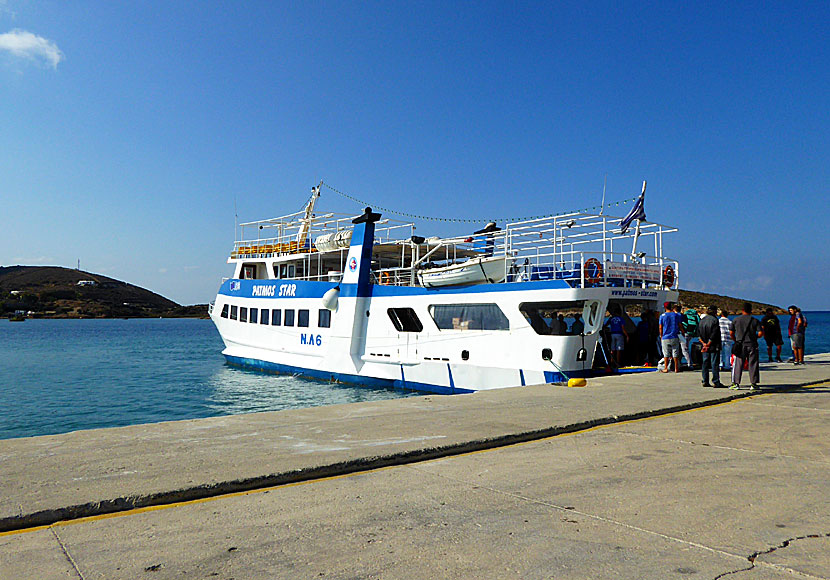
(690,322)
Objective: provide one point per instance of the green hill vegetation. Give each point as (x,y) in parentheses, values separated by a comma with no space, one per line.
(56,292)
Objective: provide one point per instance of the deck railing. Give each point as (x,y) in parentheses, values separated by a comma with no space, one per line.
(585,250)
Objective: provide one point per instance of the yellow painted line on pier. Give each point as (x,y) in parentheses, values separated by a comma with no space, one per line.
(167,506)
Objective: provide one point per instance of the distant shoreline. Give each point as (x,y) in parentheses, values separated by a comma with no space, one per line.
(54,292)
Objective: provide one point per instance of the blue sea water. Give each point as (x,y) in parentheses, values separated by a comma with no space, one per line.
(58,376)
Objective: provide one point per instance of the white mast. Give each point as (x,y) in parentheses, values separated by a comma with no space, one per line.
(309,210)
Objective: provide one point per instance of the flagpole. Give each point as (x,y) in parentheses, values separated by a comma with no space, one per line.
(637,230)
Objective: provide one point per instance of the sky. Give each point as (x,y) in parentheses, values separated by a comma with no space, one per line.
(134,134)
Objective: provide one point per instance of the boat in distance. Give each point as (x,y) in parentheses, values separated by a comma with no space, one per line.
(362,299)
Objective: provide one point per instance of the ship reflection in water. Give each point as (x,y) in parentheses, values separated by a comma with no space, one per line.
(235,391)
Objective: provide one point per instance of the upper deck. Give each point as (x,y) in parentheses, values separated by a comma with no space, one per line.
(584,250)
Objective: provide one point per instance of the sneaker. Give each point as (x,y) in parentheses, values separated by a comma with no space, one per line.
(778,359)
(754,388)
(702,384)
(719,386)
(734,386)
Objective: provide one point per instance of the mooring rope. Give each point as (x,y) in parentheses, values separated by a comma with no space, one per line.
(467,220)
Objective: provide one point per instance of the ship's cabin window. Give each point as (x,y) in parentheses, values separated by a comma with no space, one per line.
(233,312)
(243,314)
(276,317)
(225,309)
(302,318)
(405,320)
(469,317)
(264,316)
(253,319)
(285,270)
(324,318)
(289,317)
(565,317)
(253,271)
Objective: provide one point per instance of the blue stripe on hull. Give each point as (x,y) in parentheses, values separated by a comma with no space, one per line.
(276,368)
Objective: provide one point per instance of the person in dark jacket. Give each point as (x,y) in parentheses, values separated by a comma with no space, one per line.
(746,332)
(710,341)
(772,334)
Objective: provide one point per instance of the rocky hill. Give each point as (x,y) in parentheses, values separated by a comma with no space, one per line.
(56,292)
(733,305)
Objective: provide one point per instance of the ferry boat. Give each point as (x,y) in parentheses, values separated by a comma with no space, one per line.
(363,299)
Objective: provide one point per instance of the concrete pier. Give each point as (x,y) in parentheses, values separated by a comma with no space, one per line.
(634,476)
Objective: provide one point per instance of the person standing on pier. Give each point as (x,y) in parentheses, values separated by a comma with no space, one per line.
(681,334)
(726,340)
(772,334)
(710,340)
(797,326)
(669,328)
(747,331)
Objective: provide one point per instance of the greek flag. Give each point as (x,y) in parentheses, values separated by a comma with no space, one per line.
(638,212)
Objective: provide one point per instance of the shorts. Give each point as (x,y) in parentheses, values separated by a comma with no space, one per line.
(617,342)
(797,340)
(671,347)
(774,340)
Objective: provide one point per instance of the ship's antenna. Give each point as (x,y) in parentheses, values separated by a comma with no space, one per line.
(235,219)
(602,205)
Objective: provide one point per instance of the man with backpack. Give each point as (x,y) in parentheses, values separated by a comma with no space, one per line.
(797,326)
(689,326)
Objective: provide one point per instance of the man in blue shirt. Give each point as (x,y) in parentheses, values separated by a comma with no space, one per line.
(669,334)
(619,336)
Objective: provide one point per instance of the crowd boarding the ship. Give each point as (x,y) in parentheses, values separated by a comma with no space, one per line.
(363,299)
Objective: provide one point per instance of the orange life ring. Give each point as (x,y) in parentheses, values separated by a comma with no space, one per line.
(592,270)
(668,276)
(384,278)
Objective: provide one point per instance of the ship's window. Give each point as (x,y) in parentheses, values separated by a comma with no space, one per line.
(233,312)
(302,318)
(243,314)
(469,317)
(276,271)
(287,271)
(405,319)
(557,318)
(289,317)
(254,318)
(264,315)
(276,317)
(324,318)
(248,272)
(225,309)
